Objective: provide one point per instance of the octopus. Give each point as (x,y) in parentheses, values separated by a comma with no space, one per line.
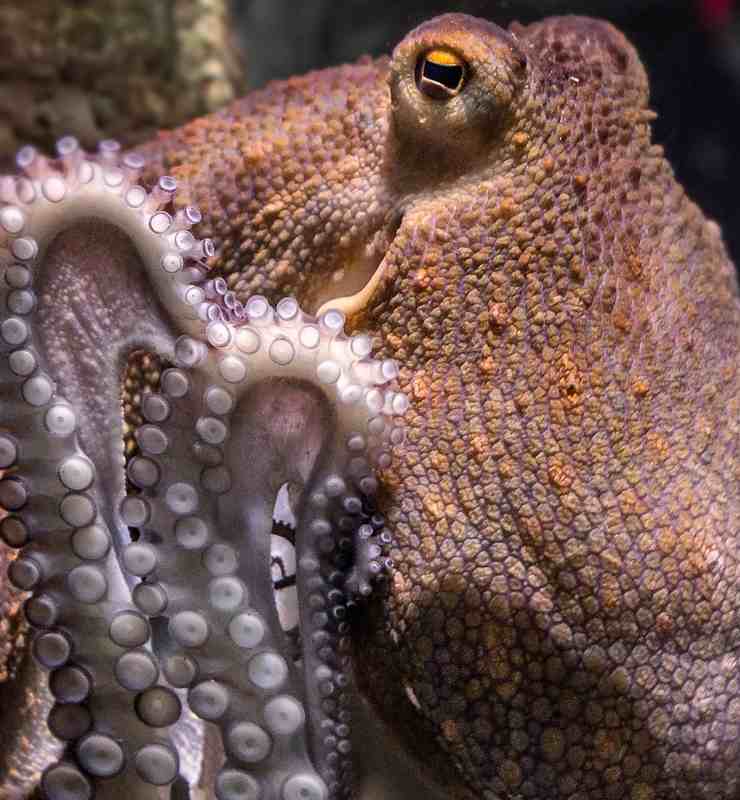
(426,476)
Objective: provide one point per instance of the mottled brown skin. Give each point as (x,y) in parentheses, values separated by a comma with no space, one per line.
(562,620)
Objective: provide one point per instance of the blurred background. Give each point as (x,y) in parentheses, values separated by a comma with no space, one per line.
(125,68)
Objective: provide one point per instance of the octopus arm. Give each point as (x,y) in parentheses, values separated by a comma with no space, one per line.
(146,635)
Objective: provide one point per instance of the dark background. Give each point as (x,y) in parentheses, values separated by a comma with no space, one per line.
(691,50)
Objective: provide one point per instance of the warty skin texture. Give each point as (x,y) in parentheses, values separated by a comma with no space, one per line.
(562,617)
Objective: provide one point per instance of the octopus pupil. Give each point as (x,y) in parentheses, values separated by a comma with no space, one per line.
(449,76)
(437,80)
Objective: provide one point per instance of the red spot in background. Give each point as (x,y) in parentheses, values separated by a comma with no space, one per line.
(715,13)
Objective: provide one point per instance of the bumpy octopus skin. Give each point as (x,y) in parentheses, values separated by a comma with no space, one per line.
(559,522)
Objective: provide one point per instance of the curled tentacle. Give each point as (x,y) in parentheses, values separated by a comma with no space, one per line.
(261,400)
(280,398)
(63,445)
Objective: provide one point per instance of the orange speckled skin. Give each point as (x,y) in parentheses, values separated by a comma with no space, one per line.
(563,617)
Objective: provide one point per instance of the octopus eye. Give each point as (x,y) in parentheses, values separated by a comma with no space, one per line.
(440,74)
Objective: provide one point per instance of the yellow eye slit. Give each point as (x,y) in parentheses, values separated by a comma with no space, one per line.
(440,74)
(444,58)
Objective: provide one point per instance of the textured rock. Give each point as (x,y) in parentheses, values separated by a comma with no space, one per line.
(118,69)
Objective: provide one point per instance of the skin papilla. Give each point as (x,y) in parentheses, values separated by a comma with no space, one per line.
(561,616)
